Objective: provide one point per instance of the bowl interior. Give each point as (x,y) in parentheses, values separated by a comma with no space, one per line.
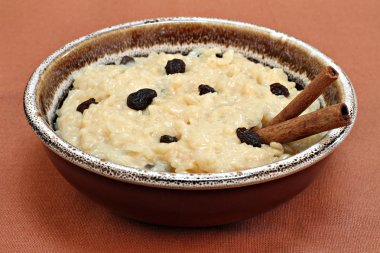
(50,83)
(174,37)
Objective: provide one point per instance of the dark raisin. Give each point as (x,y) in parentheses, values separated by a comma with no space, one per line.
(148,166)
(204,89)
(175,66)
(126,59)
(267,65)
(252,60)
(168,139)
(86,104)
(110,63)
(279,89)
(299,86)
(248,137)
(141,99)
(219,55)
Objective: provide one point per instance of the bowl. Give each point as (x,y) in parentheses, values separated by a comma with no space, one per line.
(178,199)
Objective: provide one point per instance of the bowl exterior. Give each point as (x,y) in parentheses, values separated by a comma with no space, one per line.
(183,208)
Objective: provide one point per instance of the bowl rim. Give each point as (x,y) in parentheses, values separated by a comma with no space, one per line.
(191,181)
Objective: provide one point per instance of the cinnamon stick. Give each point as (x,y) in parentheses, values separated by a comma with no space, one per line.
(307,96)
(306,125)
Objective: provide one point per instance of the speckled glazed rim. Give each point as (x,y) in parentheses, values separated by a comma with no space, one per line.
(252,176)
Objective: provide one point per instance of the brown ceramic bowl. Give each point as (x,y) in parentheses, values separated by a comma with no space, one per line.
(182,199)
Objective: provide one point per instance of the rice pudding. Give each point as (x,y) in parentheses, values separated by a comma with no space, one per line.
(194,106)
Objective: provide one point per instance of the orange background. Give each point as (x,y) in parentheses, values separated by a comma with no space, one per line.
(339,212)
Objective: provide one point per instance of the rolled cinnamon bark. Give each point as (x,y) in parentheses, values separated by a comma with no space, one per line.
(307,96)
(306,125)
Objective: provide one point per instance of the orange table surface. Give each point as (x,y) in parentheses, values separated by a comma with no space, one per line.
(339,212)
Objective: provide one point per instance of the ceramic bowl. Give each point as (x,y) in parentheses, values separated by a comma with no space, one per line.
(171,198)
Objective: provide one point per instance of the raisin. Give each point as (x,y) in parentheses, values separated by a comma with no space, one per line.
(175,66)
(126,59)
(299,86)
(267,65)
(86,104)
(168,139)
(219,55)
(148,166)
(248,137)
(141,99)
(204,89)
(109,63)
(279,89)
(253,60)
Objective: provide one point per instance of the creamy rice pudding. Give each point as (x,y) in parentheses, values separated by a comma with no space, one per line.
(169,112)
